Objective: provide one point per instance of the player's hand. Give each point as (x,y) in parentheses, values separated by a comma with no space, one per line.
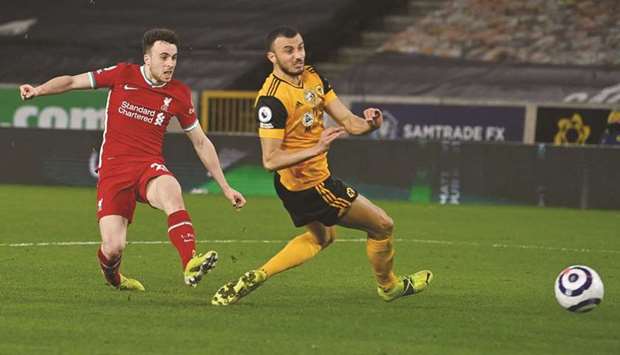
(27,92)
(328,136)
(374,117)
(235,197)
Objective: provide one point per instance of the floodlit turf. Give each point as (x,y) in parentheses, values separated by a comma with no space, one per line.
(492,294)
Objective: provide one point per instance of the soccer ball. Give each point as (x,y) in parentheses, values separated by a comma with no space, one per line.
(578,288)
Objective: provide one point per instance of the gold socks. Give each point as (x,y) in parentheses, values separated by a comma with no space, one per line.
(381,254)
(299,250)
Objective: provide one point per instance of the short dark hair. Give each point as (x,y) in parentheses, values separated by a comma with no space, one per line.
(283,31)
(158,34)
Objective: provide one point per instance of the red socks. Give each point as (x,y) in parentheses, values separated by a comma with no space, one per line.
(181,234)
(110,268)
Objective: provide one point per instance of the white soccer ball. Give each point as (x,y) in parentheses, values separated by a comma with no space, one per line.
(579,288)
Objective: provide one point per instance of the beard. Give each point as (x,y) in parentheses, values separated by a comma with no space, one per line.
(292,72)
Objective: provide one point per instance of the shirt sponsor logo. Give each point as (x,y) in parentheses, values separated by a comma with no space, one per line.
(137,112)
(159,121)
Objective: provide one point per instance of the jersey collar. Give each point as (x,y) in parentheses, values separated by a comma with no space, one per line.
(300,86)
(150,82)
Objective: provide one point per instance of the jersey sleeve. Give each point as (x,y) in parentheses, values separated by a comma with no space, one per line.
(187,114)
(271,115)
(105,77)
(328,90)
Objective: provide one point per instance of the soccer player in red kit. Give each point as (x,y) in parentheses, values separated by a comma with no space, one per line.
(141,102)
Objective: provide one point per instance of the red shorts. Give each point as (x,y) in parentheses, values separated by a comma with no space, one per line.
(122,184)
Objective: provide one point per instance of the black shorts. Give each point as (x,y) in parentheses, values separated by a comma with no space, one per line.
(325,202)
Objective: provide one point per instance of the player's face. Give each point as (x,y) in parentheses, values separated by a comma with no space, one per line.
(289,54)
(161,60)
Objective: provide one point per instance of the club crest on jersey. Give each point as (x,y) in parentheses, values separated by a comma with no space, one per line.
(310,96)
(307,120)
(166,105)
(319,89)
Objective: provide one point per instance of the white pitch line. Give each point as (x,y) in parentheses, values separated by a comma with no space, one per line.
(358,240)
(514,246)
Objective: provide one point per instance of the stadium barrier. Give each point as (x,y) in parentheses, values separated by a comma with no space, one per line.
(228,111)
(76,110)
(424,118)
(449,172)
(439,119)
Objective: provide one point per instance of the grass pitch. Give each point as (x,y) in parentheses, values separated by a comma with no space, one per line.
(492,294)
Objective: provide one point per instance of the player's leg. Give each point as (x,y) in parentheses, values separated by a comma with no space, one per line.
(300,249)
(113,229)
(307,208)
(116,203)
(366,216)
(310,209)
(164,192)
(296,252)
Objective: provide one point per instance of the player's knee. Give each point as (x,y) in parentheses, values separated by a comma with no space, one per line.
(385,225)
(172,203)
(165,194)
(174,207)
(323,240)
(113,248)
(329,238)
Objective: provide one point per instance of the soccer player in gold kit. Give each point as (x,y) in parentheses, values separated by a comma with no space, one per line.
(294,142)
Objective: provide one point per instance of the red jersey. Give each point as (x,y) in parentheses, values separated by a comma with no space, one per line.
(138,112)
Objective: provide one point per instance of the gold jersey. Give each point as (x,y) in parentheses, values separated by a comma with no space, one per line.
(295,115)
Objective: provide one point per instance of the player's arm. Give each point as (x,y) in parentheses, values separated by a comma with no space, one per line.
(355,125)
(272,115)
(274,158)
(56,85)
(208,156)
